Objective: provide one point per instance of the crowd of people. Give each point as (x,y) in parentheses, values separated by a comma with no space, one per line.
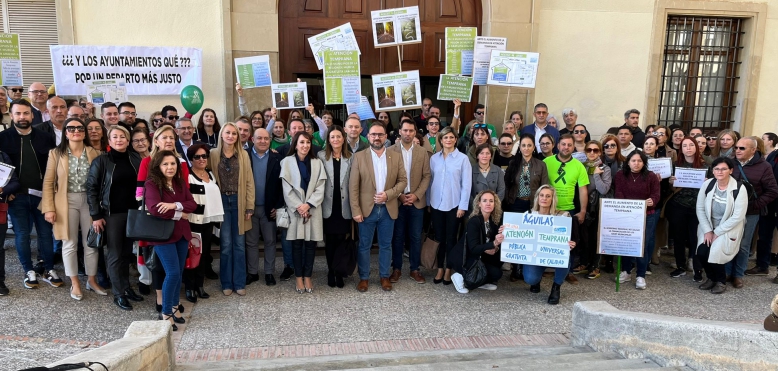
(310,182)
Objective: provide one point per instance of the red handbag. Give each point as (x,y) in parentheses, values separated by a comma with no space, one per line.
(195,251)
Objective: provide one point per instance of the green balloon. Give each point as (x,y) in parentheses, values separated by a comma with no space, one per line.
(192,99)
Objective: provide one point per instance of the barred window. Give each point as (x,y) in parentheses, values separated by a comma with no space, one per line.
(700,72)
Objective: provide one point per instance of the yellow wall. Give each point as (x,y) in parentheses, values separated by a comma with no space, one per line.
(193,23)
(765,118)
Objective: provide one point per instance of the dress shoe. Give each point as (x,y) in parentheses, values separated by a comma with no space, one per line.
(241,292)
(437,280)
(386,284)
(396,274)
(534,288)
(707,285)
(287,273)
(96,290)
(251,278)
(181,307)
(416,276)
(737,283)
(122,302)
(167,318)
(331,279)
(180,320)
(211,275)
(77,297)
(339,282)
(362,286)
(202,294)
(446,283)
(227,292)
(270,280)
(756,271)
(573,280)
(553,298)
(132,295)
(144,289)
(191,296)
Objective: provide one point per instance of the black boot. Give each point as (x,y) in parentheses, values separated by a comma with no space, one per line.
(553,299)
(534,288)
(331,279)
(191,296)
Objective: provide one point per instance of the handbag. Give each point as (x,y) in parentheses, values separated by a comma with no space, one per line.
(345,259)
(282,218)
(475,275)
(142,226)
(429,252)
(94,240)
(149,257)
(195,251)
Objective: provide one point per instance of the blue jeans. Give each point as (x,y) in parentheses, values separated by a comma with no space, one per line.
(286,248)
(24,209)
(648,251)
(172,256)
(534,273)
(737,267)
(233,247)
(378,219)
(408,224)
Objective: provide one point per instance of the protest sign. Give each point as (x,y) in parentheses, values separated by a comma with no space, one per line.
(147,70)
(253,72)
(341,77)
(622,226)
(339,38)
(483,54)
(288,96)
(516,69)
(455,87)
(396,26)
(10,60)
(6,172)
(689,178)
(580,156)
(397,91)
(662,166)
(536,239)
(460,42)
(363,109)
(102,91)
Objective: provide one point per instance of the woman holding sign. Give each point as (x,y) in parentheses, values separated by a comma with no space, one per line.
(636,182)
(545,204)
(681,212)
(721,210)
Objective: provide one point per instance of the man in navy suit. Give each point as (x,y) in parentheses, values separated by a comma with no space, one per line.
(541,126)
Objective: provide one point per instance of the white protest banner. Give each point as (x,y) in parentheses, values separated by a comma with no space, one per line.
(689,178)
(662,166)
(363,109)
(536,239)
(483,54)
(253,72)
(622,226)
(102,91)
(397,91)
(291,95)
(396,26)
(517,69)
(339,38)
(148,70)
(10,60)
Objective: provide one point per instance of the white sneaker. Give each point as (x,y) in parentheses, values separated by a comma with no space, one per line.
(624,277)
(52,278)
(488,286)
(640,283)
(31,280)
(459,283)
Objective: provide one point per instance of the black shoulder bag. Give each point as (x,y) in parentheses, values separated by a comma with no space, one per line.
(475,274)
(142,226)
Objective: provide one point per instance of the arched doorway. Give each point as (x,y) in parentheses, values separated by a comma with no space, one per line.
(301,19)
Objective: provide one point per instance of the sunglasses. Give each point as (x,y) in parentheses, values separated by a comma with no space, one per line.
(607,146)
(479,113)
(506,143)
(73,129)
(592,150)
(741,148)
(579,131)
(479,126)
(658,134)
(158,120)
(712,138)
(171,118)
(200,157)
(17,90)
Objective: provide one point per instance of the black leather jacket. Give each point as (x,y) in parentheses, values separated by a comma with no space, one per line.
(98,183)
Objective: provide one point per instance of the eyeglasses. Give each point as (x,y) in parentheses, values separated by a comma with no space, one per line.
(712,138)
(171,118)
(139,141)
(741,148)
(188,128)
(17,90)
(158,120)
(608,146)
(479,126)
(545,143)
(73,129)
(479,113)
(506,143)
(433,123)
(592,150)
(38,92)
(200,157)
(579,131)
(720,169)
(541,113)
(128,113)
(376,135)
(658,134)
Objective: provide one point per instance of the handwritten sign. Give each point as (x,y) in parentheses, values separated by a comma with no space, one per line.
(689,178)
(536,239)
(622,226)
(662,166)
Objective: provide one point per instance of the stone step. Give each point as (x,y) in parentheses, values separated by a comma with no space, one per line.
(394,359)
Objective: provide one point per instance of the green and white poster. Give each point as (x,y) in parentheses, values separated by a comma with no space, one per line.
(455,87)
(341,77)
(460,43)
(253,72)
(397,91)
(516,69)
(339,38)
(10,60)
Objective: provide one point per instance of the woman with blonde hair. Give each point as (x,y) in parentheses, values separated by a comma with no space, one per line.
(725,144)
(156,120)
(232,169)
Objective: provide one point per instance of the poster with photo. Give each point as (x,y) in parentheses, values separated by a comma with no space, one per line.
(397,91)
(288,96)
(339,38)
(396,26)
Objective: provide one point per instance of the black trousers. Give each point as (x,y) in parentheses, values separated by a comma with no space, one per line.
(193,278)
(683,230)
(303,253)
(445,224)
(714,272)
(589,256)
(331,244)
(118,253)
(493,273)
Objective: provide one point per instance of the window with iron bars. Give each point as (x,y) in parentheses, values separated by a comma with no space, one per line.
(700,72)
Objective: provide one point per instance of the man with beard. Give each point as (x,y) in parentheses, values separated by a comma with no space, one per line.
(127,115)
(28,149)
(377,178)
(58,112)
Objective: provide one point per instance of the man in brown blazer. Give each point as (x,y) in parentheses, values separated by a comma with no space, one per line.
(410,217)
(377,179)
